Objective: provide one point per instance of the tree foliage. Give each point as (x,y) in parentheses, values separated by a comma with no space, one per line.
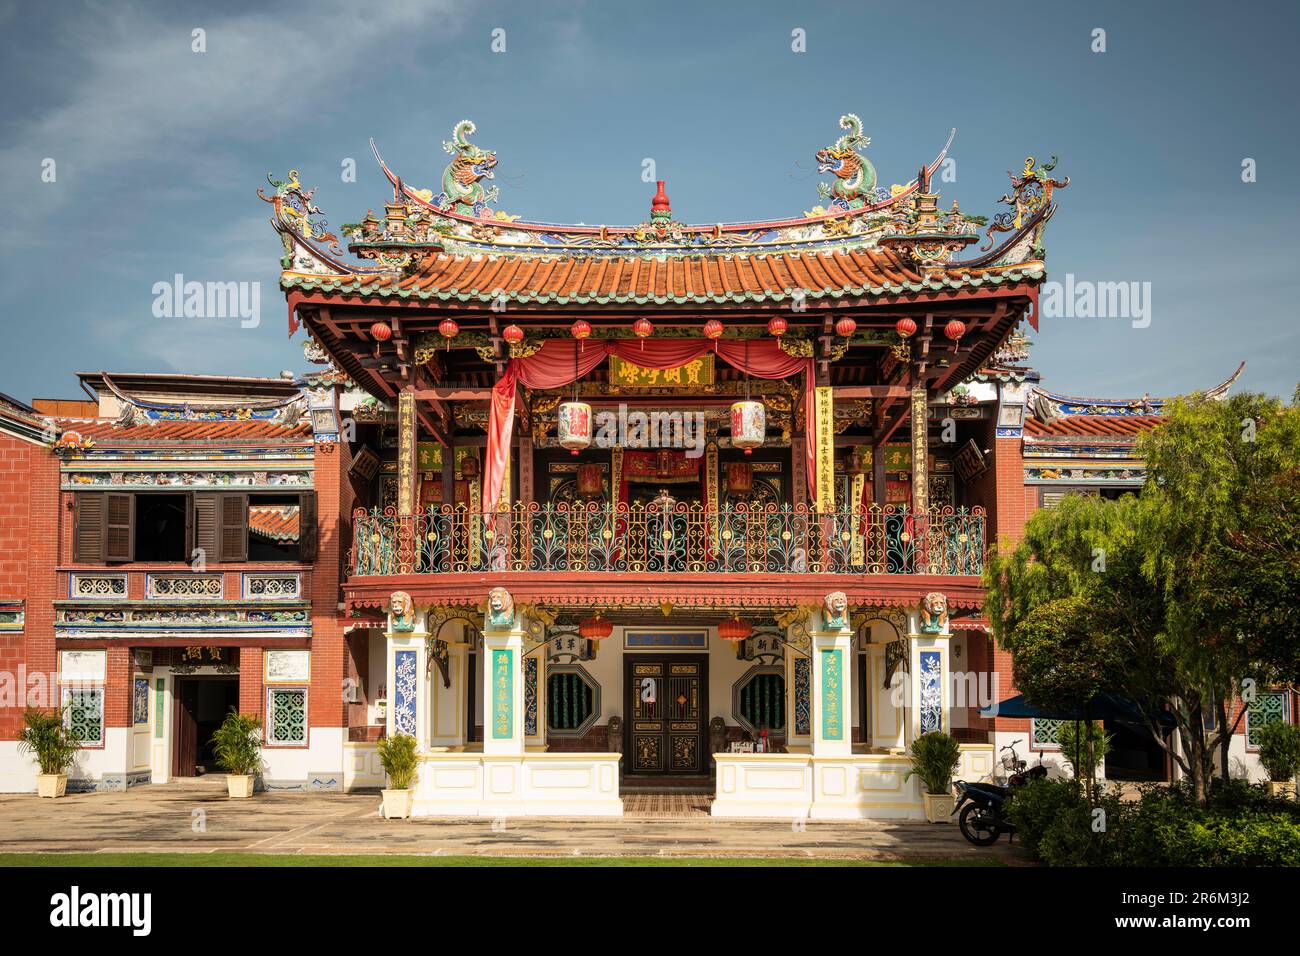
(1175,598)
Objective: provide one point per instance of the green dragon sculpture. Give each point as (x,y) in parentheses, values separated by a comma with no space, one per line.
(462,188)
(855,177)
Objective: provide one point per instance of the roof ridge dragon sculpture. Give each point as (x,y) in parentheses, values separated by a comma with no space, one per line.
(855,177)
(462,187)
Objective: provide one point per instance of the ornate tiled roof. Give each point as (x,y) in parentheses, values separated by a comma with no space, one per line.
(107,431)
(867,240)
(683,279)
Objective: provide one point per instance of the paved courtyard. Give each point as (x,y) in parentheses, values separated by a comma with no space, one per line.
(198,818)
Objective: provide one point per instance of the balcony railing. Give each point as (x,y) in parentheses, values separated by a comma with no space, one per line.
(680,538)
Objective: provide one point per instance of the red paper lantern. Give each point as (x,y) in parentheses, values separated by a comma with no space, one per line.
(595,628)
(448,329)
(955,329)
(381,331)
(777,326)
(513,334)
(713,329)
(844,328)
(905,327)
(735,630)
(642,329)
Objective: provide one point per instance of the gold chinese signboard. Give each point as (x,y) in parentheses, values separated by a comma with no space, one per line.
(624,374)
(824,405)
(898,458)
(428,456)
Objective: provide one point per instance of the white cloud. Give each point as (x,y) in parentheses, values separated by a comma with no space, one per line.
(138,94)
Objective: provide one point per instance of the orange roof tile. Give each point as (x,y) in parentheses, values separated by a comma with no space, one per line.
(1100,426)
(279,522)
(246,430)
(715,276)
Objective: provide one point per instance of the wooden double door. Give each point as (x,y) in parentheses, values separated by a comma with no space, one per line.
(667,703)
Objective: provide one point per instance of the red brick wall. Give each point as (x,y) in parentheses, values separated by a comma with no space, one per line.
(117,687)
(329,654)
(251,698)
(1014,500)
(29,526)
(1009,471)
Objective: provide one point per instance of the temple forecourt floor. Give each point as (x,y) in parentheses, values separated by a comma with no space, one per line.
(199,818)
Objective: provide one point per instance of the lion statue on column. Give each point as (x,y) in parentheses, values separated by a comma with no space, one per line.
(402,610)
(934,613)
(835,610)
(500,609)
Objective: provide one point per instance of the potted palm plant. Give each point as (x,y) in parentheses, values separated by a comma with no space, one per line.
(1279,752)
(237,745)
(54,743)
(397,754)
(935,757)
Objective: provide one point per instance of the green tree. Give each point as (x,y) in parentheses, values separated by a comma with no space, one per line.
(1172,598)
(1224,495)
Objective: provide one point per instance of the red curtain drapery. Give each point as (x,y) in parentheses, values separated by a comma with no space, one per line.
(561,362)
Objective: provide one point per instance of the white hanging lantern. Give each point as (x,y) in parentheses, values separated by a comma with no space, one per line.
(748,425)
(573,426)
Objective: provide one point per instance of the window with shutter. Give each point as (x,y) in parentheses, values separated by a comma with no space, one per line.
(233,514)
(205,527)
(119,516)
(88,528)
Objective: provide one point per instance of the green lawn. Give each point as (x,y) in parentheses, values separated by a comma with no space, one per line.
(263,859)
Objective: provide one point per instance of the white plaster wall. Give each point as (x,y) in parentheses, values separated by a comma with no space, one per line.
(112,758)
(17,770)
(322,755)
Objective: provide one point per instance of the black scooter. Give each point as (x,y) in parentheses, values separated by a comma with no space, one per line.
(982,806)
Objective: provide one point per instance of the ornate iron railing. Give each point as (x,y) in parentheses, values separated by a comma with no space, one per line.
(681,538)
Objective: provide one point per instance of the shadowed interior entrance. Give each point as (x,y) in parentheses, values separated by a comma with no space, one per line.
(201,705)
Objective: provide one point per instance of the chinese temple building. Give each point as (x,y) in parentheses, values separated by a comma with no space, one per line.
(648,492)
(585,510)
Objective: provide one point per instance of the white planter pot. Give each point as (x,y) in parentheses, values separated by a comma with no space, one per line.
(51,784)
(1282,788)
(239,786)
(938,807)
(397,803)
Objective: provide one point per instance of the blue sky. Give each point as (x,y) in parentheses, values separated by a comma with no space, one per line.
(158,151)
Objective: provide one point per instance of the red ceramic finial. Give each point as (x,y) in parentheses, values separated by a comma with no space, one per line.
(660,202)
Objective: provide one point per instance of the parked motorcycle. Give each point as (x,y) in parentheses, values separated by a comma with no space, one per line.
(982,806)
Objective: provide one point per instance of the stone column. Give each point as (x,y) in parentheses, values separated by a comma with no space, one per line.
(929,699)
(832,722)
(503,697)
(407,671)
